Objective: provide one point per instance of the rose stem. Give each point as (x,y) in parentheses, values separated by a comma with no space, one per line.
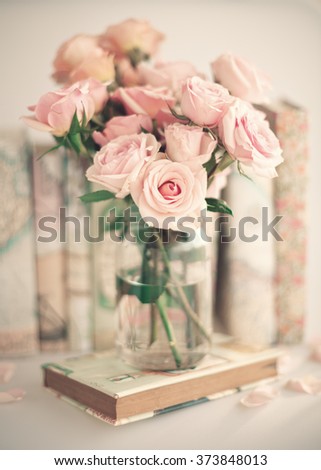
(169,332)
(182,294)
(189,311)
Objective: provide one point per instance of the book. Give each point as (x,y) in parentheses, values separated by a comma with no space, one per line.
(103,253)
(48,176)
(104,386)
(79,296)
(290,124)
(246,266)
(18,321)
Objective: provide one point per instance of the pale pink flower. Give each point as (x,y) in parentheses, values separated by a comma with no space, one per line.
(185,143)
(167,192)
(127,75)
(123,125)
(204,102)
(145,100)
(81,57)
(248,138)
(131,34)
(241,78)
(167,74)
(55,110)
(121,160)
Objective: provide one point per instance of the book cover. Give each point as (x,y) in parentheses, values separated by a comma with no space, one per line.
(50,252)
(107,387)
(18,321)
(79,298)
(290,124)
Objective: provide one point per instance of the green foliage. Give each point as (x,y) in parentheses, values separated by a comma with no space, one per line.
(102,195)
(181,117)
(218,205)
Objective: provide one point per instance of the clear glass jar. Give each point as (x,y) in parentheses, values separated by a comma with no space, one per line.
(164,300)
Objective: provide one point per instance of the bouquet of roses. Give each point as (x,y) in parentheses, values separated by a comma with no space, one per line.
(159,137)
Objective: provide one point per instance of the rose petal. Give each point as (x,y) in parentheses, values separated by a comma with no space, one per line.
(259,396)
(11,395)
(310,385)
(6,371)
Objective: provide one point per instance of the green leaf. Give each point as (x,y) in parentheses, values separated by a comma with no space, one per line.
(76,143)
(136,55)
(178,116)
(146,293)
(52,149)
(242,172)
(75,127)
(97,196)
(210,165)
(218,205)
(224,162)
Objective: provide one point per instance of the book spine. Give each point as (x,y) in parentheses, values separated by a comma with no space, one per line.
(104,280)
(290,193)
(78,263)
(245,288)
(50,252)
(18,322)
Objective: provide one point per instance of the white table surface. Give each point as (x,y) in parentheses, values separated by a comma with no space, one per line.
(41,421)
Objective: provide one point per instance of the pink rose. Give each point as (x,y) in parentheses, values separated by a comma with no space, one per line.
(121,160)
(97,92)
(127,75)
(248,138)
(204,102)
(132,34)
(81,57)
(185,143)
(166,189)
(145,100)
(123,125)
(241,78)
(55,110)
(167,74)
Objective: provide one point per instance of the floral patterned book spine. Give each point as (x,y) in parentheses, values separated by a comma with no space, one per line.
(245,289)
(290,124)
(78,258)
(50,252)
(18,321)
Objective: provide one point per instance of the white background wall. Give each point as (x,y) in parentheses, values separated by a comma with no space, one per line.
(282,37)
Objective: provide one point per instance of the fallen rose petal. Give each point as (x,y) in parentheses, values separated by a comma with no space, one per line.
(259,396)
(6,371)
(14,394)
(309,384)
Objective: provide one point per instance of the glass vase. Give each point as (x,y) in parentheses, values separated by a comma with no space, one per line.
(164,300)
